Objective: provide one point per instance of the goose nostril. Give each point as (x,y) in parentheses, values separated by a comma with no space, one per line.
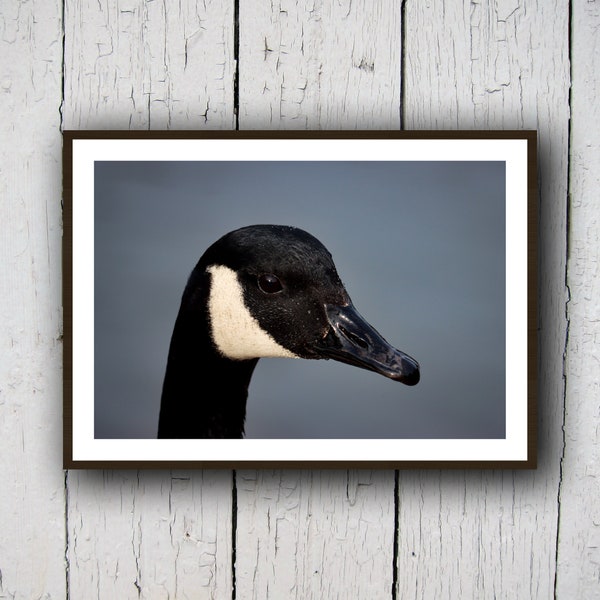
(358,341)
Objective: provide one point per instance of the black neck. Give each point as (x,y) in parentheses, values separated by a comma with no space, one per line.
(204,394)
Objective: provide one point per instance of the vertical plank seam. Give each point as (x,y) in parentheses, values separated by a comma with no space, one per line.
(402,118)
(567,301)
(396,534)
(236,112)
(402,63)
(236,60)
(67,562)
(234,508)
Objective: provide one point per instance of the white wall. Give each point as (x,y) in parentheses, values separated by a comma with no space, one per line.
(348,64)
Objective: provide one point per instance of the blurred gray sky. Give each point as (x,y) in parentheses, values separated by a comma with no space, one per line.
(420,247)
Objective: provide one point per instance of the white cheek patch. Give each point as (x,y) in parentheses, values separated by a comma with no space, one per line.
(235,332)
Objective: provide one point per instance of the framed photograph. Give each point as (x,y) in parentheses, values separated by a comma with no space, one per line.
(300,299)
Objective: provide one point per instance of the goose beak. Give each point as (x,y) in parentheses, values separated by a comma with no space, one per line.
(350,339)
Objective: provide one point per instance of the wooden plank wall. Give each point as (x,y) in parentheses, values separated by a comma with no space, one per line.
(348,64)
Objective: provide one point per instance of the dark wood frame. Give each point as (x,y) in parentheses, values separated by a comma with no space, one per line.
(532,285)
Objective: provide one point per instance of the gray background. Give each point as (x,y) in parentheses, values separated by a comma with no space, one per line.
(420,247)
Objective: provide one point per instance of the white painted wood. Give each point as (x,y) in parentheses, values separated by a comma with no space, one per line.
(494,65)
(138,65)
(314,534)
(579,530)
(150,535)
(32,493)
(149,65)
(320,65)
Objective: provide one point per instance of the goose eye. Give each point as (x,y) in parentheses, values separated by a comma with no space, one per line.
(269,283)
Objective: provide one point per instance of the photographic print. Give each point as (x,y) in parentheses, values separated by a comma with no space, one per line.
(300,299)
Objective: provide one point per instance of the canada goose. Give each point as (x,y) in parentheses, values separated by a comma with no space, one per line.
(262,290)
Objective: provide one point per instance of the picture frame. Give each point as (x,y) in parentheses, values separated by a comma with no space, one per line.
(434,234)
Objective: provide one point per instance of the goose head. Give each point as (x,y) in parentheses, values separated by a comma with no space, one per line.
(271,291)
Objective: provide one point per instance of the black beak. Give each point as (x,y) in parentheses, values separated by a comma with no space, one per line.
(352,340)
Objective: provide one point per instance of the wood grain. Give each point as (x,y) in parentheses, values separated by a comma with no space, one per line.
(32,494)
(314,534)
(150,534)
(137,65)
(320,65)
(472,66)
